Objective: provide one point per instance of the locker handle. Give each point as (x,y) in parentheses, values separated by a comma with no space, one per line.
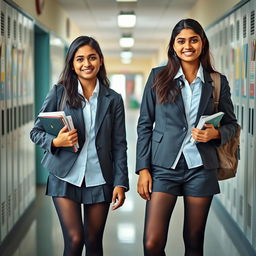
(252,121)
(249,126)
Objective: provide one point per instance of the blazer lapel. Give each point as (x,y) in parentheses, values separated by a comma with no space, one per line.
(179,102)
(102,106)
(207,89)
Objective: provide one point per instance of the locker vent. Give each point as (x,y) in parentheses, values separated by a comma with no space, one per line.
(15,30)
(241,205)
(252,22)
(237,29)
(234,198)
(20,32)
(226,35)
(15,199)
(9,206)
(249,216)
(221,35)
(244,26)
(232,33)
(9,27)
(2,23)
(3,213)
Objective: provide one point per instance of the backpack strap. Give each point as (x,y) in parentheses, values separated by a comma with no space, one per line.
(216,92)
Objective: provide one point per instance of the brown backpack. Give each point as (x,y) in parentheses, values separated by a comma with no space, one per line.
(228,153)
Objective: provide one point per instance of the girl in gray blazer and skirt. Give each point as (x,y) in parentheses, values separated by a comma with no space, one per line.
(169,164)
(97,174)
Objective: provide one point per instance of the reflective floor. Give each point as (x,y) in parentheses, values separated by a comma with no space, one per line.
(39,234)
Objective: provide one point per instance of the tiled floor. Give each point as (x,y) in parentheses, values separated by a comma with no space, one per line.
(40,234)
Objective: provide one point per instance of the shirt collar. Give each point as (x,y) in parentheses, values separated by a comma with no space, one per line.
(200,73)
(95,91)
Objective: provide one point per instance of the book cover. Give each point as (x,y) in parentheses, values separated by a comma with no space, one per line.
(52,125)
(53,122)
(212,119)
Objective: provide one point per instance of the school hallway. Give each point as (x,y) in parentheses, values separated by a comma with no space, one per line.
(134,36)
(38,233)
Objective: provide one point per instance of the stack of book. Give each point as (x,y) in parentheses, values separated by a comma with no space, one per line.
(53,122)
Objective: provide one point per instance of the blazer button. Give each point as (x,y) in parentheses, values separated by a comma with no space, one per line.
(184,129)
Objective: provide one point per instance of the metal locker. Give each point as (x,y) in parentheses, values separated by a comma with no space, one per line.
(14,61)
(24,111)
(251,178)
(3,167)
(31,146)
(9,112)
(231,183)
(20,116)
(240,106)
(244,103)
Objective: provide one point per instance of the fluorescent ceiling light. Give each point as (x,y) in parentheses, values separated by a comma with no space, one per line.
(126,54)
(126,20)
(126,42)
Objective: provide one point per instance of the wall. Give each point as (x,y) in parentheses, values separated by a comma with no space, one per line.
(53,17)
(216,9)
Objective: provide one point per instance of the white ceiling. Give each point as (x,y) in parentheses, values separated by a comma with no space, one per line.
(155,20)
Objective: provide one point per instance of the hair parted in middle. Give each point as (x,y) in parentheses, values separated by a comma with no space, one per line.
(166,88)
(68,77)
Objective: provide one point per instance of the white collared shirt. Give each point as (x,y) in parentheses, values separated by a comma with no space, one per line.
(87,164)
(191,95)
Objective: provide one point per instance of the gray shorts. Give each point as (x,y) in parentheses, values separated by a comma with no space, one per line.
(185,182)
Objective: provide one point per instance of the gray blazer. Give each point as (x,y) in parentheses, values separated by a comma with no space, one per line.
(110,136)
(163,127)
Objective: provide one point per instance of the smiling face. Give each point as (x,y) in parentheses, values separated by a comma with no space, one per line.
(86,63)
(188,46)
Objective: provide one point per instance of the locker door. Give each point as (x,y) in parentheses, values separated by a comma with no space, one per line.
(244,104)
(9,102)
(20,117)
(24,112)
(251,178)
(14,61)
(231,183)
(31,146)
(3,169)
(240,106)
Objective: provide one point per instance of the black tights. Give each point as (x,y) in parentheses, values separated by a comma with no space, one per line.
(158,213)
(75,233)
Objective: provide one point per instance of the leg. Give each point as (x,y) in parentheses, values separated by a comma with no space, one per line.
(69,213)
(158,213)
(195,217)
(95,216)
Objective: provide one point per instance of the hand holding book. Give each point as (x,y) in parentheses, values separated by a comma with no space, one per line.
(61,126)
(211,119)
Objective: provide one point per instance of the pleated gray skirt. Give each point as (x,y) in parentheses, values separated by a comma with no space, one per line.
(85,195)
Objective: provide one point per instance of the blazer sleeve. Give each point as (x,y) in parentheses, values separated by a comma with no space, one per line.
(38,134)
(228,123)
(145,125)
(119,146)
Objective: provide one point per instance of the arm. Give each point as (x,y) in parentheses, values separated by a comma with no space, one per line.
(119,148)
(144,129)
(145,126)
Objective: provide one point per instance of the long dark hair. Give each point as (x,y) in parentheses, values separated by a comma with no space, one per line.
(68,77)
(166,88)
